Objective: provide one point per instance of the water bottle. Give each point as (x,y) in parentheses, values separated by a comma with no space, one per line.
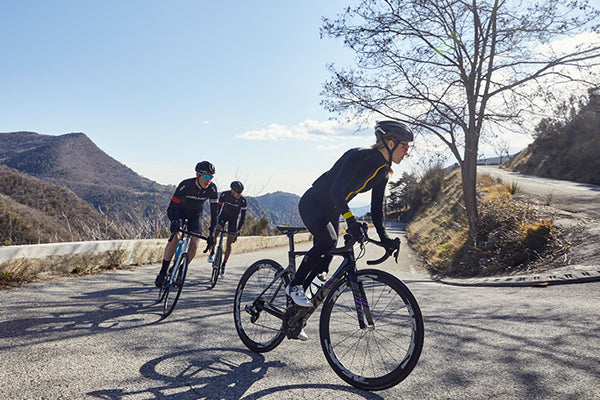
(316,284)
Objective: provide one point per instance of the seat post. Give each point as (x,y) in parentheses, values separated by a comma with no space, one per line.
(290,236)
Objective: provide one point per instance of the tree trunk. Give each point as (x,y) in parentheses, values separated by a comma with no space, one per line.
(469,180)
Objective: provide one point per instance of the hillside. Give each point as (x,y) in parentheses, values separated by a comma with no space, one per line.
(134,204)
(278,208)
(567,151)
(517,235)
(75,162)
(34,211)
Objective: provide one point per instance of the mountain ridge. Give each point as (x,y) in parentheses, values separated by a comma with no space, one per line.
(135,203)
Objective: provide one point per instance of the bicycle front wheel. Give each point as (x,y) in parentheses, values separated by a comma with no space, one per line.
(216,267)
(385,351)
(259,306)
(162,290)
(175,286)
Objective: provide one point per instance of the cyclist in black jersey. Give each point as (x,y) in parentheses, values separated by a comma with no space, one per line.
(232,204)
(358,170)
(187,203)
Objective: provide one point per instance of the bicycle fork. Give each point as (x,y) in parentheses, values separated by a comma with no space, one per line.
(181,248)
(360,301)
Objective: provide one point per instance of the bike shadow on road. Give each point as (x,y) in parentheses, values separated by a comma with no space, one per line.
(220,373)
(77,314)
(70,312)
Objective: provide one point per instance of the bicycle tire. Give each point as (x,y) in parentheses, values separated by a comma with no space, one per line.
(162,290)
(258,329)
(216,267)
(374,358)
(174,290)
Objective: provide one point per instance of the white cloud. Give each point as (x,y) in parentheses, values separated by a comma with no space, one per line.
(307,130)
(585,40)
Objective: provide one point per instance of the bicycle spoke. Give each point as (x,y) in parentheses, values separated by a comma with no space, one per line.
(381,355)
(259,329)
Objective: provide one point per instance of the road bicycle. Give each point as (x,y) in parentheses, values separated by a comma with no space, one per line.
(170,290)
(371,328)
(218,258)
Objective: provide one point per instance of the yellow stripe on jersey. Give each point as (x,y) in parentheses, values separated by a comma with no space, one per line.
(365,184)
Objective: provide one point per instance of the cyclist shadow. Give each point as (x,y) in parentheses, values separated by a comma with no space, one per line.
(215,373)
(79,314)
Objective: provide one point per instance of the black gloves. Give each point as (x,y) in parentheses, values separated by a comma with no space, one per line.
(210,241)
(391,244)
(175,225)
(356,229)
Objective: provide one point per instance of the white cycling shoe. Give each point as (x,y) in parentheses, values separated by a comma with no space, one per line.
(301,336)
(298,296)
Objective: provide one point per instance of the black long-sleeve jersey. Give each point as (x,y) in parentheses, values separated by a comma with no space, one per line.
(231,208)
(357,171)
(189,198)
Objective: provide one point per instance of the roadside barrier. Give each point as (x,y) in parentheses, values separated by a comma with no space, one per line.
(50,259)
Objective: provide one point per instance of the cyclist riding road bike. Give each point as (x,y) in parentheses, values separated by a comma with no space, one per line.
(357,171)
(232,204)
(187,203)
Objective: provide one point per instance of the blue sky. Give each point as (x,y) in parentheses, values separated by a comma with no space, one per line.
(160,85)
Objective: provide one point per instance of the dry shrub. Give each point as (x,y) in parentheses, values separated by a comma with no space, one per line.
(514,232)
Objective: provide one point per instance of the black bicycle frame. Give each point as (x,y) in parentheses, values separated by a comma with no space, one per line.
(346,269)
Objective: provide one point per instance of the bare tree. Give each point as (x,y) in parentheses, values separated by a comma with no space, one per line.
(458,68)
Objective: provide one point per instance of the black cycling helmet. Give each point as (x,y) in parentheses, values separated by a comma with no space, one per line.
(237,186)
(397,131)
(393,130)
(204,167)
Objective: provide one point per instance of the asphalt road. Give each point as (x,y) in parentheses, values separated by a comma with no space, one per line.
(575,197)
(102,337)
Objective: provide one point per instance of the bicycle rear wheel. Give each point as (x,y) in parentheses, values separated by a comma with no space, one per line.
(174,289)
(216,267)
(379,356)
(259,318)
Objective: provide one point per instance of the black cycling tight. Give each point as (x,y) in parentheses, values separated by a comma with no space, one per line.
(325,228)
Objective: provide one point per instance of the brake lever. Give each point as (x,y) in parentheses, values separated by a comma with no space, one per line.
(388,252)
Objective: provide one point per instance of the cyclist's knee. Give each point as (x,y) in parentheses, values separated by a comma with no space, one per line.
(325,244)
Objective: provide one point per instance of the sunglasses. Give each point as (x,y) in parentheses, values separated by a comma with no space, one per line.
(405,147)
(206,176)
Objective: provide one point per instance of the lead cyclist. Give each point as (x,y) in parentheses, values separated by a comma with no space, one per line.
(359,170)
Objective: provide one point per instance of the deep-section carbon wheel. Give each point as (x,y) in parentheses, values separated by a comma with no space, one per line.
(259,318)
(383,353)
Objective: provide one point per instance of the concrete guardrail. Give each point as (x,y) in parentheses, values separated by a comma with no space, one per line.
(49,259)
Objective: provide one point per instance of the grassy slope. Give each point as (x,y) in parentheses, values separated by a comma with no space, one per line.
(516,234)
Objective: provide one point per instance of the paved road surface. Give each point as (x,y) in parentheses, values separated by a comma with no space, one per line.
(570,196)
(101,337)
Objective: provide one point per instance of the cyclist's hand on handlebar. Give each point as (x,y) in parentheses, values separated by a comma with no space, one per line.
(175,225)
(357,229)
(391,246)
(210,242)
(390,243)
